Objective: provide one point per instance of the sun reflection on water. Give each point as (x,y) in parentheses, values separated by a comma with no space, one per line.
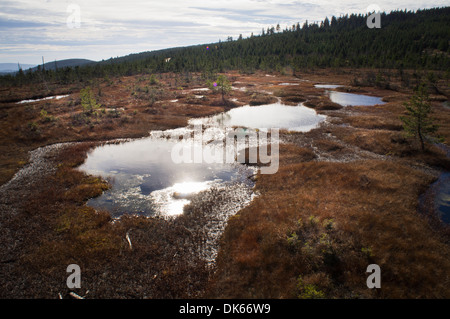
(171,200)
(185,189)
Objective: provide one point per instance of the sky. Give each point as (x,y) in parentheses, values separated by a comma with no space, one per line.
(101,29)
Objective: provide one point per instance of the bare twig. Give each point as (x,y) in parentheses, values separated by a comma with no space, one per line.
(128,239)
(74,295)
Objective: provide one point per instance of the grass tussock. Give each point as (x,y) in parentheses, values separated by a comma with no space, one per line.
(290,96)
(322,105)
(261,99)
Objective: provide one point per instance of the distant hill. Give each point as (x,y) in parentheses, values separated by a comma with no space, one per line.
(14,67)
(64,63)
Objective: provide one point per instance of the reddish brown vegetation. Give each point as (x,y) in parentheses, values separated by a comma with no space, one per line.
(58,229)
(311,232)
(316,227)
(327,222)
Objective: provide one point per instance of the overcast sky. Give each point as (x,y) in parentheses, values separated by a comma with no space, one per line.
(30,29)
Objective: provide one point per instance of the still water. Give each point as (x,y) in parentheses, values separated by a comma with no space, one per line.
(293,118)
(441,191)
(146,180)
(351,99)
(327,86)
(442,200)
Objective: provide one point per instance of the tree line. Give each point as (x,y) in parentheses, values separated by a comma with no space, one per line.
(406,40)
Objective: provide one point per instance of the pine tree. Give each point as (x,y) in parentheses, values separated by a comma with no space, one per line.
(88,101)
(223,85)
(418,123)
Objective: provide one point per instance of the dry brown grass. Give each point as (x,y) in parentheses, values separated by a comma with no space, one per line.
(330,221)
(375,122)
(23,128)
(260,99)
(322,104)
(61,230)
(316,227)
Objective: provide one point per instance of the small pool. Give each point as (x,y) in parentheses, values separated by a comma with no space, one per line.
(351,99)
(327,86)
(146,181)
(294,118)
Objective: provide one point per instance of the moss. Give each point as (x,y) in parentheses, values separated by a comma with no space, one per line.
(308,291)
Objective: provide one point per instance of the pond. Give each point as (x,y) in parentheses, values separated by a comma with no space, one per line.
(147,180)
(351,99)
(327,86)
(277,115)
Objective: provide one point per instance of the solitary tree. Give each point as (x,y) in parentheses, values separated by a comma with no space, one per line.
(417,123)
(88,101)
(222,85)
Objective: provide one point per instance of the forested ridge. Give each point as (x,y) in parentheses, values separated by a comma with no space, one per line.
(406,40)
